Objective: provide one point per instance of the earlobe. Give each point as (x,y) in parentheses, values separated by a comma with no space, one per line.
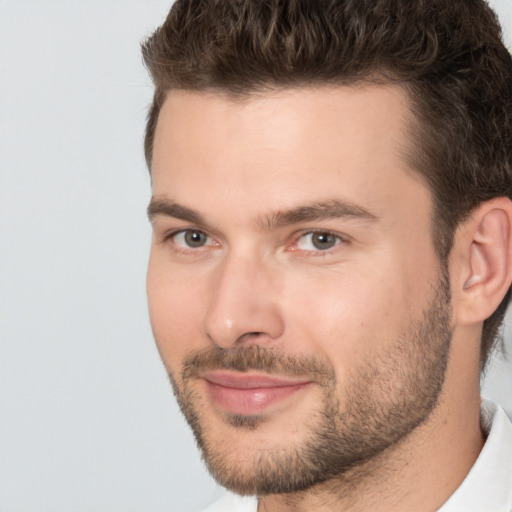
(484,246)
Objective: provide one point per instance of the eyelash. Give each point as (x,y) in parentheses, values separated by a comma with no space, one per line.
(340,240)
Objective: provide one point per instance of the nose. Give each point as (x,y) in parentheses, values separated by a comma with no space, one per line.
(243,307)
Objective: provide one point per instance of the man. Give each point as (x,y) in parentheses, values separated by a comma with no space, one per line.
(332,249)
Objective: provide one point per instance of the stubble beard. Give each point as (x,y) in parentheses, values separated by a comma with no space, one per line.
(379,405)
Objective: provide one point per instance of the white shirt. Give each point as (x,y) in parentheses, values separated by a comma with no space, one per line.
(486,488)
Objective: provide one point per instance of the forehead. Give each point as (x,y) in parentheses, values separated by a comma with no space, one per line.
(288,146)
(346,111)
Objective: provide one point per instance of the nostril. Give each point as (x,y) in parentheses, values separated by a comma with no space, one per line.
(250,336)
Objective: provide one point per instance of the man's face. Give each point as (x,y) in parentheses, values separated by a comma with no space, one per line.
(294,290)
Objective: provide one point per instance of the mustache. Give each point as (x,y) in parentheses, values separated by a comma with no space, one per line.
(255,357)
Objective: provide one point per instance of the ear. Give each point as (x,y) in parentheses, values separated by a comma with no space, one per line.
(481,261)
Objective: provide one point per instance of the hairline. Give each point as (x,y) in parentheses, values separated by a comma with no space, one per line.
(242,94)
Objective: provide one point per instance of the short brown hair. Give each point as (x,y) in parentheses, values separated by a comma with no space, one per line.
(448,55)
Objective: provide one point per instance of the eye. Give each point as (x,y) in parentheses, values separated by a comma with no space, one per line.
(191,239)
(317,241)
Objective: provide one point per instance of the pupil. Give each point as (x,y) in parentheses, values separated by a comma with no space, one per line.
(194,238)
(323,241)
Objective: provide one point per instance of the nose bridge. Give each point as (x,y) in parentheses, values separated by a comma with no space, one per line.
(243,304)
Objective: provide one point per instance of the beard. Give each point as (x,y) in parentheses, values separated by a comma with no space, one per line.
(381,402)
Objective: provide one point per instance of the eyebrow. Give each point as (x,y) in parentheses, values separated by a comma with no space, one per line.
(330,209)
(172,209)
(323,210)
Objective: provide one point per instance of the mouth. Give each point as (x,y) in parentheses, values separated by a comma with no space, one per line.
(250,394)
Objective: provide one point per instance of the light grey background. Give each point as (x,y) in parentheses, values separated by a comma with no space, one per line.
(87,418)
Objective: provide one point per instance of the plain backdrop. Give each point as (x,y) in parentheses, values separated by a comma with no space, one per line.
(88,422)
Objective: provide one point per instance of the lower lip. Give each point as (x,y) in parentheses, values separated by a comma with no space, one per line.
(250,401)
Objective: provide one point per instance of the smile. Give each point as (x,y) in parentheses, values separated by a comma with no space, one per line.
(249,394)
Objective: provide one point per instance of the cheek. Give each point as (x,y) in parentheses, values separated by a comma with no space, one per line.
(347,317)
(175,313)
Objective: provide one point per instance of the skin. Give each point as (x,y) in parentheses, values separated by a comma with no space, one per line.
(258,283)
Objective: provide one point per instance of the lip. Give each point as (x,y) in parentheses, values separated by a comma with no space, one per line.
(250,394)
